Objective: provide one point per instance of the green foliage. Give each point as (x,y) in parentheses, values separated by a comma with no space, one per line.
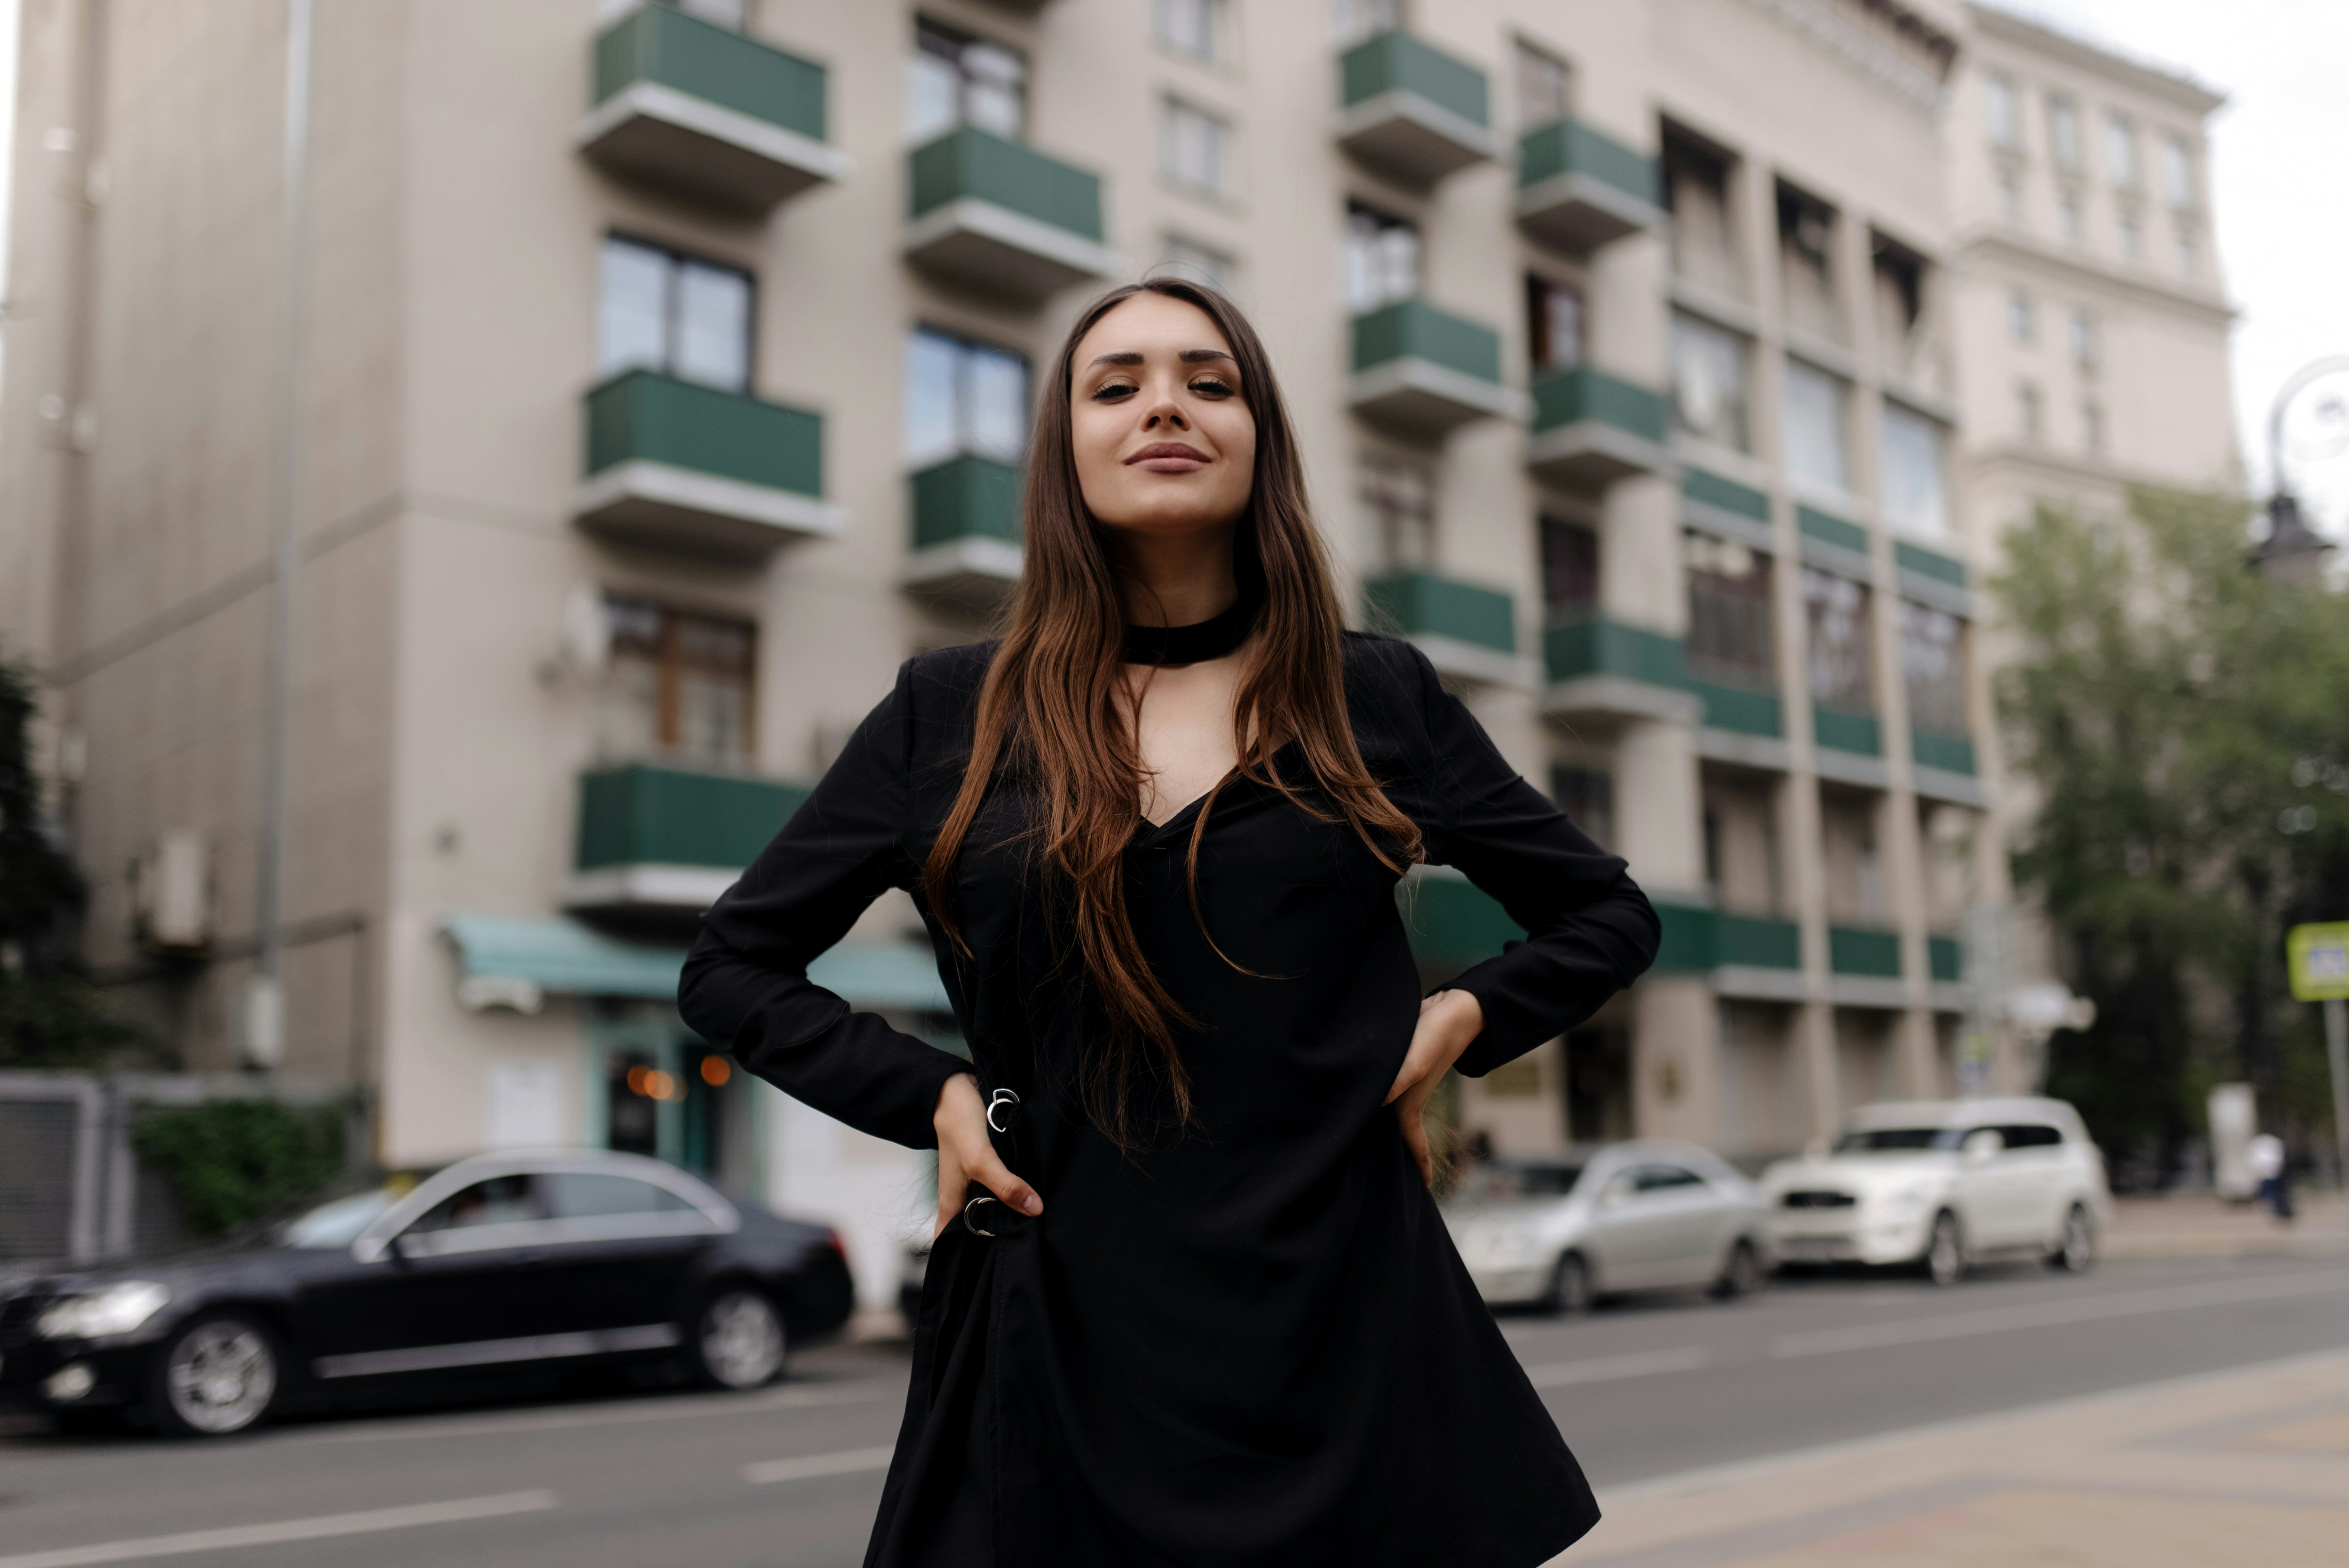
(231,1161)
(2181,720)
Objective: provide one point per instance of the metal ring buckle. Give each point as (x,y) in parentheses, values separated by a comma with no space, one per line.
(974,1203)
(996,1101)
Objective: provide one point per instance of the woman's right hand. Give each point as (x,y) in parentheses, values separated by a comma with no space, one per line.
(966,1154)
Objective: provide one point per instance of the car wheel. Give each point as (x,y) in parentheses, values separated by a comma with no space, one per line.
(1742,1275)
(1569,1287)
(738,1339)
(1945,1250)
(2077,1250)
(215,1376)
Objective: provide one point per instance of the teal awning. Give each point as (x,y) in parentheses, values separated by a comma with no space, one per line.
(516,961)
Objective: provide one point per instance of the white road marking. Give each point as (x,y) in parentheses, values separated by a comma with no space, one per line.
(1613,1368)
(2056,1314)
(705,1406)
(849,1461)
(456,1511)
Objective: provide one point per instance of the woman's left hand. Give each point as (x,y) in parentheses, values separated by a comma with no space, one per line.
(1449,1021)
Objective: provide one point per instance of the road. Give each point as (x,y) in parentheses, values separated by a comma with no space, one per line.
(787,1477)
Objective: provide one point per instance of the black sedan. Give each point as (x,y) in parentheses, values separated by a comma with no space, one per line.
(501,1263)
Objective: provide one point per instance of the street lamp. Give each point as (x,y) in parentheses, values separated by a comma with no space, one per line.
(2293,551)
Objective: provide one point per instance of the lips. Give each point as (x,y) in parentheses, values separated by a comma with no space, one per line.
(1168,458)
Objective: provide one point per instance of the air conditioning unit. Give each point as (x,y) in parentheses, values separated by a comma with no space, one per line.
(172,892)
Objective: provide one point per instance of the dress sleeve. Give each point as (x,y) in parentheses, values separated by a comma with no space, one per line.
(746,986)
(1590,931)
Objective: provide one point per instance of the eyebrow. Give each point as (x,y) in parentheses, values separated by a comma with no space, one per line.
(1188,357)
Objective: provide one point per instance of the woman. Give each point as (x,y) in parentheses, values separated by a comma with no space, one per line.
(1190,1301)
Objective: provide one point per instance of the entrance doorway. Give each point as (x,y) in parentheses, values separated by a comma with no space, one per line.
(659,1089)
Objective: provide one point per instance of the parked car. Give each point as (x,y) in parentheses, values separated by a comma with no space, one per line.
(501,1263)
(1646,1216)
(1935,1185)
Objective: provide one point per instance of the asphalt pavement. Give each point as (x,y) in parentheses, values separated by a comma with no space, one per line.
(787,1476)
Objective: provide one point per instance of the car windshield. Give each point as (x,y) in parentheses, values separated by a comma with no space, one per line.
(1498,1179)
(338,1223)
(1900,1139)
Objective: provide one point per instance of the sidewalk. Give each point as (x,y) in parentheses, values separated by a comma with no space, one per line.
(2199,1226)
(2238,1467)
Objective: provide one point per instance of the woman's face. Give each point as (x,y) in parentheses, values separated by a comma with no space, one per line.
(1164,441)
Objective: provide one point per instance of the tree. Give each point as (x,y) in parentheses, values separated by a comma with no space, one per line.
(51,1011)
(2184,724)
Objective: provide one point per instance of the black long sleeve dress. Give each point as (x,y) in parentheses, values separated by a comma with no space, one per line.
(1251,1344)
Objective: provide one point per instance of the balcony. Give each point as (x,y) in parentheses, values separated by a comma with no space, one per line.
(657,838)
(1742,709)
(1604,669)
(966,536)
(1945,957)
(1411,111)
(1865,952)
(1841,730)
(1590,428)
(1002,219)
(1950,753)
(1754,956)
(682,466)
(1577,189)
(706,113)
(1425,372)
(1452,923)
(1464,630)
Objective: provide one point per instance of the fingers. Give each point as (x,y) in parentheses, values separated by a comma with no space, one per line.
(995,1176)
(1411,1114)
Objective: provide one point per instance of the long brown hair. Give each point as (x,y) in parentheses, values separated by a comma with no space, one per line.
(1050,706)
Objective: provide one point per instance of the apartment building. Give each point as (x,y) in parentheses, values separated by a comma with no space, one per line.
(664,379)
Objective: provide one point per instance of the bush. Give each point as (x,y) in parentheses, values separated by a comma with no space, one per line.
(232,1161)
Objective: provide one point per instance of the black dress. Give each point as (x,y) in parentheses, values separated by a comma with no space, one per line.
(1251,1344)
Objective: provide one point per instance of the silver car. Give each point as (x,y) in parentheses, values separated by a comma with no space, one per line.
(1645,1215)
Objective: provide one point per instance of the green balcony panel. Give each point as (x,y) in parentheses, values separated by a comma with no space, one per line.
(966,533)
(1950,753)
(1929,563)
(1410,111)
(680,465)
(1609,647)
(1859,951)
(1464,629)
(1686,946)
(1709,490)
(1858,733)
(1424,371)
(1946,958)
(703,112)
(1002,219)
(1742,709)
(1452,923)
(654,836)
(1590,428)
(1578,189)
(1828,530)
(1755,942)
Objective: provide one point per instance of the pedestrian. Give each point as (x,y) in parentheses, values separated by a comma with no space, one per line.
(1190,1301)
(2265,1155)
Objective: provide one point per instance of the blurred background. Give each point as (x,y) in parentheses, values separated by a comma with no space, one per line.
(465,469)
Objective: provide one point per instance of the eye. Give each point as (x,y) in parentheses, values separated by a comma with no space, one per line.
(1114,391)
(1212,387)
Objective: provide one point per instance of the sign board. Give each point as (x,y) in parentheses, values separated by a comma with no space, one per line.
(2320,962)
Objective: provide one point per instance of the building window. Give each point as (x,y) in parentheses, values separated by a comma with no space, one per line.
(678,685)
(1587,796)
(1708,398)
(1932,663)
(1192,27)
(1553,323)
(2010,196)
(2026,410)
(1544,88)
(1193,148)
(2120,152)
(1841,672)
(2022,320)
(1399,498)
(1998,111)
(674,313)
(2132,234)
(1569,568)
(1361,19)
(1381,258)
(1805,235)
(1696,193)
(955,79)
(2075,217)
(1899,275)
(1815,425)
(963,397)
(1201,263)
(2091,425)
(1916,496)
(2063,132)
(2189,252)
(1730,640)
(2177,171)
(2084,347)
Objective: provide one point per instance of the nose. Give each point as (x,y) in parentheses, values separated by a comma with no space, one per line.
(1165,414)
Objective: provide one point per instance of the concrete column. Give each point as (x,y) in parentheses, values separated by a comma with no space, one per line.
(1822,1088)
(1914,1042)
(1675,1059)
(1639,577)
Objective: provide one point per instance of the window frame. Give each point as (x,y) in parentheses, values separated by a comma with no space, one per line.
(1173,109)
(675,260)
(964,445)
(670,666)
(1216,17)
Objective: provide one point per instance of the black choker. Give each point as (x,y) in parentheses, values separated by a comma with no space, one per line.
(1200,641)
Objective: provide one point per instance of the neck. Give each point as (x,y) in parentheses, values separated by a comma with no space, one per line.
(1177,580)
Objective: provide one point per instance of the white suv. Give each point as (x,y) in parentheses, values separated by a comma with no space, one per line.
(1940,1182)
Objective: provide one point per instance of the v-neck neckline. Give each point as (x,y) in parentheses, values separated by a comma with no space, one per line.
(1145,829)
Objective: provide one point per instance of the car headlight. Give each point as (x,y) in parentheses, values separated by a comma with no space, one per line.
(111,1309)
